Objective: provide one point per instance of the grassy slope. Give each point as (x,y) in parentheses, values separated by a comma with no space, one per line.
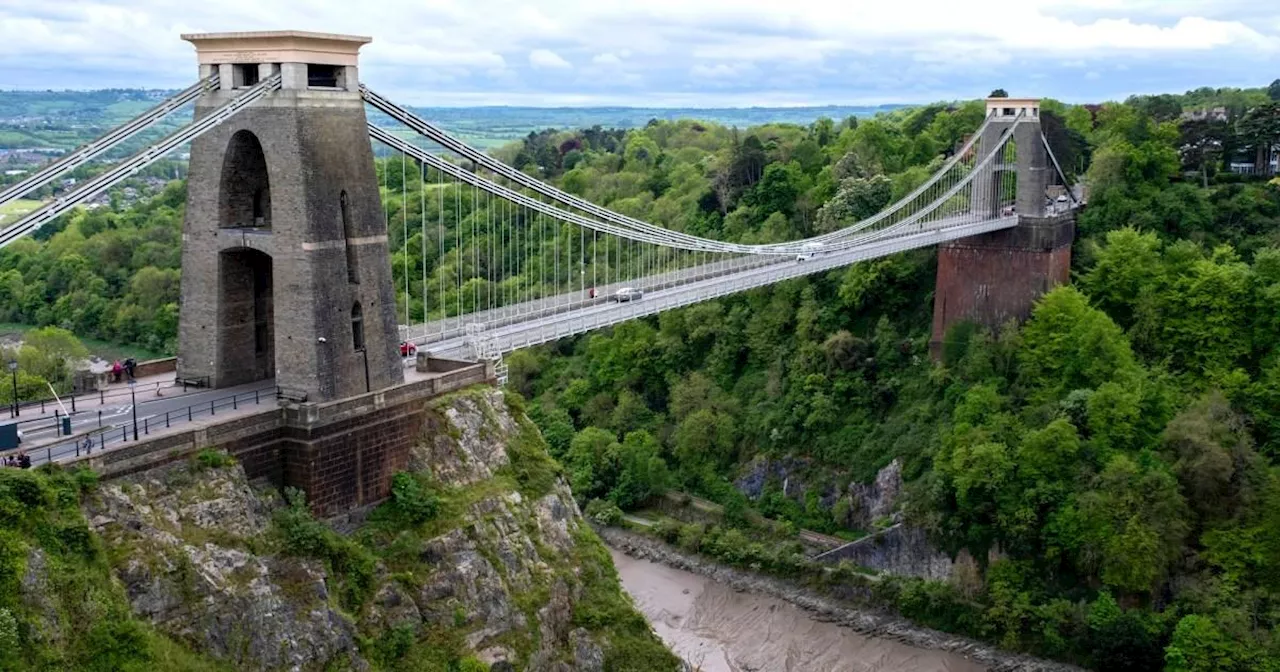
(12,210)
(105,350)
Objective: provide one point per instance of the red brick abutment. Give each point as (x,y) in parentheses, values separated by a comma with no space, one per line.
(342,453)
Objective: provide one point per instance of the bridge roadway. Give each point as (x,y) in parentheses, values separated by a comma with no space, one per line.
(575,316)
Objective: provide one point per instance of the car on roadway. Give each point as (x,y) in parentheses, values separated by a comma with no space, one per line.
(808,250)
(408,349)
(626,294)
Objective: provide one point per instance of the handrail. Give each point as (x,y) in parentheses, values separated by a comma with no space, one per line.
(122,433)
(101,395)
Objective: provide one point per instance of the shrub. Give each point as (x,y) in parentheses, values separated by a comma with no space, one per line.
(604,512)
(415,501)
(209,458)
(690,538)
(301,534)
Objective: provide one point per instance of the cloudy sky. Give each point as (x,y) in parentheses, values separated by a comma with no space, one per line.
(679,52)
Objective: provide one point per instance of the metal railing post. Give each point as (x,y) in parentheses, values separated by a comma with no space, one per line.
(234,407)
(256,400)
(212,409)
(124,434)
(166,419)
(188,414)
(73,403)
(146,426)
(102,398)
(99,419)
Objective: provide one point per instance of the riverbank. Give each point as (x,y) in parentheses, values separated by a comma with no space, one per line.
(932,650)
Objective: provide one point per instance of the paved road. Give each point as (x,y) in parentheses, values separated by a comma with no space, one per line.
(42,442)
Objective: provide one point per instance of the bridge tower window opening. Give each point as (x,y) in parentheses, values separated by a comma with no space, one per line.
(245,190)
(245,75)
(320,76)
(357,326)
(348,233)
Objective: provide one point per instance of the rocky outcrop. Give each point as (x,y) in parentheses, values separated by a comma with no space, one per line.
(875,501)
(183,538)
(899,550)
(501,571)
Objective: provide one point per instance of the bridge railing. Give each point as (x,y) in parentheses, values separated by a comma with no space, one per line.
(73,401)
(128,431)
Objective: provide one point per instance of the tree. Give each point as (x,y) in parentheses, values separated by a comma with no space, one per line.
(1202,144)
(1260,129)
(643,473)
(999,93)
(1273,91)
(1069,345)
(857,199)
(1200,646)
(1133,524)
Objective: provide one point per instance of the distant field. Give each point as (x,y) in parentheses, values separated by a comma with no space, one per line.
(102,349)
(15,209)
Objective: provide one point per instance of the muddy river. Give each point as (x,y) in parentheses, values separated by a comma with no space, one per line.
(720,630)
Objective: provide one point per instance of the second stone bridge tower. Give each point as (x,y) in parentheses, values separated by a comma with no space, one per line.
(992,278)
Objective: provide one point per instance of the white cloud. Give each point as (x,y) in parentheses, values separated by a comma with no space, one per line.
(546,59)
(498,50)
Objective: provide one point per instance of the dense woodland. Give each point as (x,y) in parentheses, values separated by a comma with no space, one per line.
(1112,462)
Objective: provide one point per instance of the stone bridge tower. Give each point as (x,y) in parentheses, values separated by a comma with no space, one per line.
(285,269)
(996,277)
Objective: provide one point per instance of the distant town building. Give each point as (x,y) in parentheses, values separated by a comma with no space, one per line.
(1206,114)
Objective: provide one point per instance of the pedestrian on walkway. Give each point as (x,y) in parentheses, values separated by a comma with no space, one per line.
(116,368)
(129,365)
(24,462)
(11,461)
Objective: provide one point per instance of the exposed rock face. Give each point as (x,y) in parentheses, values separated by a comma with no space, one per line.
(181,538)
(876,500)
(501,569)
(899,550)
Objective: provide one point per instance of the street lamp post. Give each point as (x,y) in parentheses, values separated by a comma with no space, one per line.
(13,369)
(133,397)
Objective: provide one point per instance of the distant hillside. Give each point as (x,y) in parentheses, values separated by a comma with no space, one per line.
(65,119)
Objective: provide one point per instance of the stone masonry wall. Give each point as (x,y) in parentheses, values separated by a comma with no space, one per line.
(343,454)
(996,277)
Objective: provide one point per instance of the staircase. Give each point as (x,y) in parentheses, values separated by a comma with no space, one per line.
(485,348)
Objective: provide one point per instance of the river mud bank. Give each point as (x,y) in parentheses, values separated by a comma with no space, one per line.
(727,620)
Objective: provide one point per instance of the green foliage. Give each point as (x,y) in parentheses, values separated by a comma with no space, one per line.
(603,512)
(351,564)
(209,458)
(530,462)
(413,498)
(102,274)
(41,522)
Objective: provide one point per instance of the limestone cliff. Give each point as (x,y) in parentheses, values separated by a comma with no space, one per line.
(481,561)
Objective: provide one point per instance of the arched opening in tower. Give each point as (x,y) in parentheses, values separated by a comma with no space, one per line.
(246,319)
(245,194)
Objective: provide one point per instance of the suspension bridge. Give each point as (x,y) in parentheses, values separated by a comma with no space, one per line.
(283,195)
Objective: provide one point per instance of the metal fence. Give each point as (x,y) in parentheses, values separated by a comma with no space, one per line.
(127,432)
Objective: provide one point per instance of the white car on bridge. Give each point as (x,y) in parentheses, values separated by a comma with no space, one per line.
(626,294)
(808,250)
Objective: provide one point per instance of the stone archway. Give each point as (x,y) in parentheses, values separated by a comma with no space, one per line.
(245,191)
(246,319)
